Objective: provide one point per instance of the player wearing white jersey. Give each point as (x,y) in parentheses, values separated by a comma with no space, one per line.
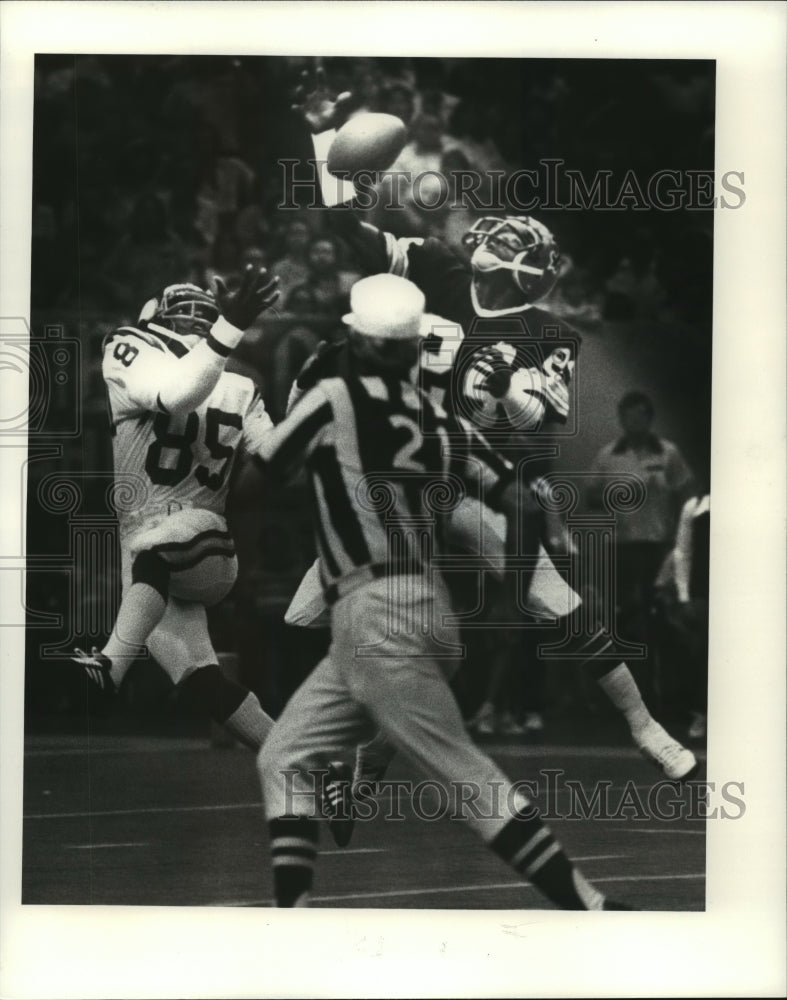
(179,422)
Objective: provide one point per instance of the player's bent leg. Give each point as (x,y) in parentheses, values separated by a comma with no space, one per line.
(181,641)
(208,691)
(597,653)
(141,609)
(408,696)
(372,759)
(428,730)
(319,722)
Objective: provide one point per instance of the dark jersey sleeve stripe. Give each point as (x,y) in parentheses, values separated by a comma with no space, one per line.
(344,519)
(324,547)
(295,444)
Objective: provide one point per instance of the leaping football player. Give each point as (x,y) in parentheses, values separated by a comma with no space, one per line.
(179,421)
(518,379)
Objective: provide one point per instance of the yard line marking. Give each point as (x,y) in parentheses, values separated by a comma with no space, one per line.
(133,745)
(356,850)
(549,750)
(91,847)
(687,833)
(393,894)
(598,857)
(477,888)
(149,809)
(124,747)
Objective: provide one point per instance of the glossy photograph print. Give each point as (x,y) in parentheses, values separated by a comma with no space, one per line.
(370,416)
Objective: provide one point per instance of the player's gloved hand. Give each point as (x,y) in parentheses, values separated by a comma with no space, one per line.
(496,373)
(256,293)
(313,101)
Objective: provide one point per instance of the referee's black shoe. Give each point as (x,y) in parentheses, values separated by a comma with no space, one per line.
(338,802)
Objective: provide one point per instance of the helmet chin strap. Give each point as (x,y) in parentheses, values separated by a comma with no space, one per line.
(484,262)
(492,313)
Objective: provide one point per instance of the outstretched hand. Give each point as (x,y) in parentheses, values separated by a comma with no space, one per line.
(256,293)
(313,101)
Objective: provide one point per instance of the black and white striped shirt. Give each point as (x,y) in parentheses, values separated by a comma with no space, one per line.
(387,467)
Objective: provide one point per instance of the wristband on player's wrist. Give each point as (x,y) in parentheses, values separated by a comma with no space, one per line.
(224,337)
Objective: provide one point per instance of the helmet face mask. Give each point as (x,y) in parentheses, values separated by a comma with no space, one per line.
(185,309)
(520,245)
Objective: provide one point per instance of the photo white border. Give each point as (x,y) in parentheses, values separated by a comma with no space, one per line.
(737,947)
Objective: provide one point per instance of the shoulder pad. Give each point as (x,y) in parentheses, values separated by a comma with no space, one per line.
(132,331)
(322,364)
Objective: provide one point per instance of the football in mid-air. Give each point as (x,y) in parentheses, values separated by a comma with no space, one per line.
(368,141)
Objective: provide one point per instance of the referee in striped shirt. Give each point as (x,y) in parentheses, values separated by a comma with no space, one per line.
(386,468)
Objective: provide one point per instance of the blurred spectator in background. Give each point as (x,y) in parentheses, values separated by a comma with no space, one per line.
(573,298)
(634,291)
(224,191)
(149,255)
(225,259)
(399,100)
(470,130)
(292,268)
(684,585)
(255,256)
(400,208)
(424,151)
(297,343)
(330,284)
(643,535)
(692,583)
(253,222)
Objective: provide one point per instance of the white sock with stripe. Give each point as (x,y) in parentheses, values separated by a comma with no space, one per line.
(249,723)
(621,689)
(141,609)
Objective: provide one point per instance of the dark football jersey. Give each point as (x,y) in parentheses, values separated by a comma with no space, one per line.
(539,348)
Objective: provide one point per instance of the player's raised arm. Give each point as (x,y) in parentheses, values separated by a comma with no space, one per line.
(324,115)
(179,379)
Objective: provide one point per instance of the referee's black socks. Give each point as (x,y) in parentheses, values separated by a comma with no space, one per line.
(529,846)
(293,850)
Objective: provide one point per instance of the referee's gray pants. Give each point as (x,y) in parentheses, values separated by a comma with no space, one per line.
(386,669)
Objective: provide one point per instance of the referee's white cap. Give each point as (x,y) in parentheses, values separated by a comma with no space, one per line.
(388,307)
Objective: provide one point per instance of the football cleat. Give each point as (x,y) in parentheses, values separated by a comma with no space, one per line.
(510,727)
(656,745)
(371,765)
(97,667)
(337,804)
(534,722)
(484,722)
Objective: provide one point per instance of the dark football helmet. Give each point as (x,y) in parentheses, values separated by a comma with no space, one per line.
(517,243)
(184,308)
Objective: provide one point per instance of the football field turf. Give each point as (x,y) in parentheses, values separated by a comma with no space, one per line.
(141,820)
